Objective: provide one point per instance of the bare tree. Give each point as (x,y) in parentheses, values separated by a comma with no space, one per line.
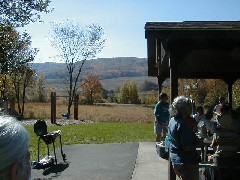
(76,44)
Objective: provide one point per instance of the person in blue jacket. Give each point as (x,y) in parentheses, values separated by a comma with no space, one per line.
(182,140)
(161,112)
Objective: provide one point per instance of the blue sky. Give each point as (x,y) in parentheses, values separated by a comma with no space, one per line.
(124,20)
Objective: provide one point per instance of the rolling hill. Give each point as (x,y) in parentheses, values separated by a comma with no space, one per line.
(113,72)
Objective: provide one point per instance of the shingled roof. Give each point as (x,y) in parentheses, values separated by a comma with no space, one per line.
(192,25)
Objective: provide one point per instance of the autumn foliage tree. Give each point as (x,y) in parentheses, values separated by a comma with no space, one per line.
(8,40)
(129,93)
(92,89)
(15,48)
(20,70)
(215,89)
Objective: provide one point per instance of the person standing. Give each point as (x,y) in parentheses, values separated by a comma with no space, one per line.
(182,140)
(217,107)
(161,112)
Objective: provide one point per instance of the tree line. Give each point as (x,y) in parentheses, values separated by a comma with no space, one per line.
(15,48)
(204,92)
(75,44)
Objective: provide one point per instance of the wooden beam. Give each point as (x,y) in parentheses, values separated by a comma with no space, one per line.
(230,82)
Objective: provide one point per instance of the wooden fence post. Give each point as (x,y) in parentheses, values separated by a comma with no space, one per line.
(76,106)
(53,107)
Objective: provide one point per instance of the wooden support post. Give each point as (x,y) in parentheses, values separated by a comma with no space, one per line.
(173,93)
(173,80)
(53,107)
(230,95)
(230,83)
(76,106)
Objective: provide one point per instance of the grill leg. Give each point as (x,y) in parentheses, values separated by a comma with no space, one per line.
(48,150)
(38,148)
(54,153)
(63,155)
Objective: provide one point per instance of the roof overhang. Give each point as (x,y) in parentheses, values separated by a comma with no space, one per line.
(201,49)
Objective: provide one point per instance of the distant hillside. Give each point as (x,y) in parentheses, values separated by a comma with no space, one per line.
(113,72)
(106,68)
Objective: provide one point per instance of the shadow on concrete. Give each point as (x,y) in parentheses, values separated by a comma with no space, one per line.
(56,169)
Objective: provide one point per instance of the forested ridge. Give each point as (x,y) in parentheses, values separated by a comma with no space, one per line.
(105,68)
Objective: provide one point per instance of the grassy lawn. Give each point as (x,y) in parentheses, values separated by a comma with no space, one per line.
(95,133)
(113,124)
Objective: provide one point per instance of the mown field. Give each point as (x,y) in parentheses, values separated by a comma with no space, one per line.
(112,124)
(109,113)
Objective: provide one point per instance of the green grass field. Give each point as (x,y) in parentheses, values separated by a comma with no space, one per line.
(95,133)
